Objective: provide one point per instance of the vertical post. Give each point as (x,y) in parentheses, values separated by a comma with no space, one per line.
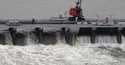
(39,34)
(13,35)
(68,36)
(2,38)
(93,35)
(119,36)
(74,35)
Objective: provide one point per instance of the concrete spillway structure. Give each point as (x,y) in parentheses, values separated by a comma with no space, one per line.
(69,28)
(45,30)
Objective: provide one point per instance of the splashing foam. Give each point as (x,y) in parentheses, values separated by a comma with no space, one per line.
(60,54)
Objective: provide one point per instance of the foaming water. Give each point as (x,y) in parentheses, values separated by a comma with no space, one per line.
(83,53)
(84,39)
(60,54)
(106,39)
(31,39)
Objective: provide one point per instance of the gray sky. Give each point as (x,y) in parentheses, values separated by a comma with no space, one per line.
(48,8)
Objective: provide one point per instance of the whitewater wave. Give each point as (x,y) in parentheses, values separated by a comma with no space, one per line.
(59,54)
(81,53)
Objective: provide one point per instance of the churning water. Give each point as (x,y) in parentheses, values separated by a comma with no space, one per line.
(83,53)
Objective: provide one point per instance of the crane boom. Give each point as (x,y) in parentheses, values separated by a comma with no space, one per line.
(79,5)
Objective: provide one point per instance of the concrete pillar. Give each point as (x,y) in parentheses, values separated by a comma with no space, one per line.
(92,36)
(39,34)
(8,38)
(119,36)
(2,39)
(12,32)
(69,36)
(74,38)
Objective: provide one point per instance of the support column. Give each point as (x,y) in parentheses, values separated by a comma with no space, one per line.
(12,32)
(39,34)
(70,37)
(74,38)
(92,36)
(2,39)
(119,36)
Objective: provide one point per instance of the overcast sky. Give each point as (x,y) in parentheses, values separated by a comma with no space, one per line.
(47,8)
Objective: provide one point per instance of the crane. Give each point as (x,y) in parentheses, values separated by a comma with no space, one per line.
(76,12)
